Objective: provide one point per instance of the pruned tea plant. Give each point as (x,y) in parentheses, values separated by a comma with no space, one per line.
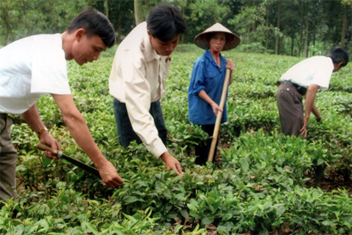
(262,182)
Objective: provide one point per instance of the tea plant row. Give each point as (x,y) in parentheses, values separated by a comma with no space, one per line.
(259,187)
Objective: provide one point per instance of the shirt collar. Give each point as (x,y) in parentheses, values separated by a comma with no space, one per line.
(211,58)
(149,52)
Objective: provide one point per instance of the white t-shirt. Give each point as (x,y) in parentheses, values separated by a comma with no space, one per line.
(315,70)
(29,68)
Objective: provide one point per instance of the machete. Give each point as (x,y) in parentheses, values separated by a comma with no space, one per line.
(81,165)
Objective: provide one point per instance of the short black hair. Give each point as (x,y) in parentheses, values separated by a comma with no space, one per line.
(338,55)
(165,22)
(94,23)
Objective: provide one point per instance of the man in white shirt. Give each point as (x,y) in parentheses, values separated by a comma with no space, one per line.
(137,81)
(304,80)
(34,66)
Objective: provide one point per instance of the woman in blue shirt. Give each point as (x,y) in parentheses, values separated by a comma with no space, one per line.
(205,88)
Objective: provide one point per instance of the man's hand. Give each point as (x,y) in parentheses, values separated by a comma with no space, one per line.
(46,138)
(109,175)
(304,128)
(171,163)
(309,107)
(32,117)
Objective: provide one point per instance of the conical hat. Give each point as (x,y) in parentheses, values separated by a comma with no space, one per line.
(201,41)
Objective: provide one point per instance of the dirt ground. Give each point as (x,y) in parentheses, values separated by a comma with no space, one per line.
(332,181)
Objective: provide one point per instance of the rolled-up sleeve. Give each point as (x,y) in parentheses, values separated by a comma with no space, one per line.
(197,78)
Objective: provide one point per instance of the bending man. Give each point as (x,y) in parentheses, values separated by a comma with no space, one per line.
(305,79)
(137,81)
(34,66)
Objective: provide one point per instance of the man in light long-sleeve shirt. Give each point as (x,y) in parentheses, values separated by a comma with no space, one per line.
(137,81)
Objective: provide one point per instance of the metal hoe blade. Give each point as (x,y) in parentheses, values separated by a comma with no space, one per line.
(81,165)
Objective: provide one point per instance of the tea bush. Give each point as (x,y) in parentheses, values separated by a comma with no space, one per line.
(258,187)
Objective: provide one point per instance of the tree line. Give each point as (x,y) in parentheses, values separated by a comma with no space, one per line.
(290,27)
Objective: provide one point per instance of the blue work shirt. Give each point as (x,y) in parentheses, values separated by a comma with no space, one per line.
(207,76)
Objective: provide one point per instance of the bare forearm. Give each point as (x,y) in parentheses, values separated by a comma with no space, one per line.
(311,93)
(202,94)
(31,116)
(78,128)
(315,111)
(80,132)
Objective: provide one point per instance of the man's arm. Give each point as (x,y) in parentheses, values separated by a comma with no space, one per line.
(316,113)
(32,117)
(310,97)
(80,132)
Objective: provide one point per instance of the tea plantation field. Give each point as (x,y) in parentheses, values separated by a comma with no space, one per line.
(262,182)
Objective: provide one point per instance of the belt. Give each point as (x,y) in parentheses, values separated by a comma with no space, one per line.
(302,90)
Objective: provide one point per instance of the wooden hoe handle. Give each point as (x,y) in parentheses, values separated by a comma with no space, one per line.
(219,116)
(45,147)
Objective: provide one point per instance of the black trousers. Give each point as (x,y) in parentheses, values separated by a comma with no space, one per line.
(124,128)
(202,150)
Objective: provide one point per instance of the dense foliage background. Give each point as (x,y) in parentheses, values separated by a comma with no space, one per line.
(295,27)
(262,182)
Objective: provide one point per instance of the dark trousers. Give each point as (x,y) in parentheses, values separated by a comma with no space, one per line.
(202,150)
(8,159)
(124,128)
(289,103)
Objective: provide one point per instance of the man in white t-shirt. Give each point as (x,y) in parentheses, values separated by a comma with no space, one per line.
(34,66)
(304,80)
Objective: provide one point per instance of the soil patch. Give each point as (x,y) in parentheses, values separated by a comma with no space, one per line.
(334,180)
